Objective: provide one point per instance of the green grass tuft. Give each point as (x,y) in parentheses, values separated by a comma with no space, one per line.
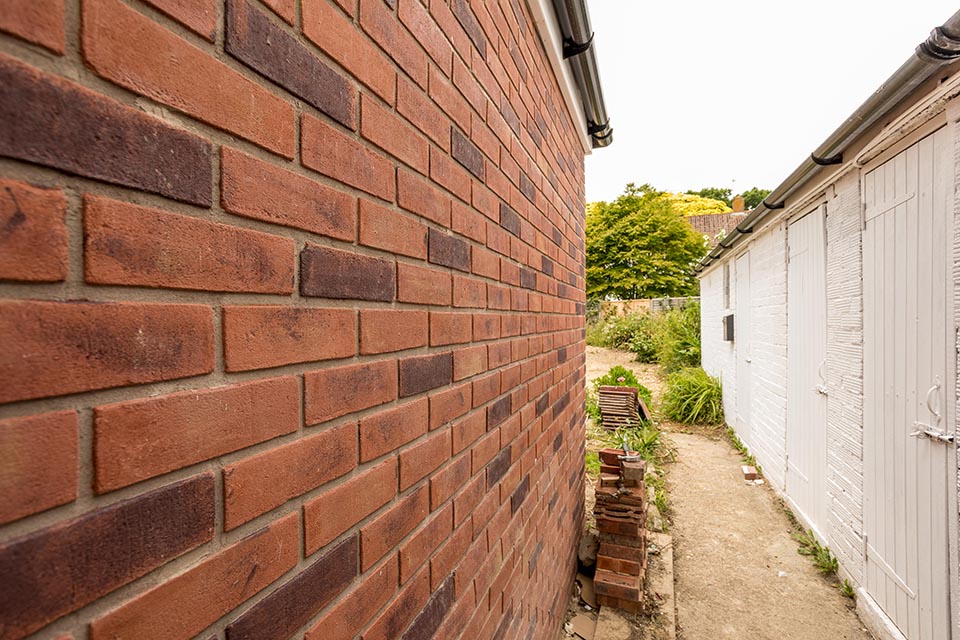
(693,397)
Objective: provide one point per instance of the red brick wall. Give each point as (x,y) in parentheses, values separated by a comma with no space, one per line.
(291,321)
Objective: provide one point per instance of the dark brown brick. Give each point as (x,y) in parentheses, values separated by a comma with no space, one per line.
(288,608)
(498,412)
(527,188)
(542,403)
(520,494)
(52,572)
(425,625)
(509,219)
(466,153)
(498,467)
(448,251)
(261,44)
(461,9)
(330,273)
(76,130)
(528,278)
(546,265)
(423,373)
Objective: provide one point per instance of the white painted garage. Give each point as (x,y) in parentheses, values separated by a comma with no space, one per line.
(841,374)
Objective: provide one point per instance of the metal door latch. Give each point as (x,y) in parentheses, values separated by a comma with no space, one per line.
(926,431)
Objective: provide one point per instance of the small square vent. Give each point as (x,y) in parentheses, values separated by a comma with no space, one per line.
(728,327)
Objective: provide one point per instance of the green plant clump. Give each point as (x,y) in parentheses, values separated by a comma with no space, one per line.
(621,377)
(749,459)
(676,338)
(592,462)
(823,560)
(646,440)
(693,397)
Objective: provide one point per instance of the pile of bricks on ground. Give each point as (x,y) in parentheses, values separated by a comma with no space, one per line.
(621,512)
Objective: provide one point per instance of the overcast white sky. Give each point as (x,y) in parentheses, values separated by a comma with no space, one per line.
(736,94)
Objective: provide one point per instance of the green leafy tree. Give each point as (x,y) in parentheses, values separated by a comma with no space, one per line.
(687,204)
(753,197)
(639,247)
(723,195)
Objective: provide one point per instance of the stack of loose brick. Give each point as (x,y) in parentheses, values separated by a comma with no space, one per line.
(621,512)
(292,321)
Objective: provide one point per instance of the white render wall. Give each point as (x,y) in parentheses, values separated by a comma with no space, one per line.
(844,374)
(717,354)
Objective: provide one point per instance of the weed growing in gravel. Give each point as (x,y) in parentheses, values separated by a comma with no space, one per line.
(749,459)
(592,462)
(847,589)
(825,562)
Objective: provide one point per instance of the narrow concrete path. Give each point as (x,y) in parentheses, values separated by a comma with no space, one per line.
(737,570)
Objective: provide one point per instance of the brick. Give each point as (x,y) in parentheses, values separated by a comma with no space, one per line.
(422,373)
(332,273)
(461,9)
(38,21)
(467,500)
(498,297)
(469,362)
(509,219)
(446,96)
(263,191)
(498,354)
(448,481)
(126,47)
(344,621)
(448,251)
(418,20)
(466,431)
(520,494)
(131,245)
(258,484)
(452,552)
(387,530)
(431,616)
(326,26)
(292,605)
(449,174)
(421,111)
(39,463)
(260,336)
(84,133)
(528,278)
(498,412)
(346,159)
(395,618)
(422,198)
(384,330)
(33,245)
(486,326)
(450,328)
(466,153)
(498,468)
(392,231)
(467,84)
(484,451)
(384,27)
(383,432)
(340,508)
(87,557)
(56,348)
(331,393)
(469,223)
(286,9)
(420,460)
(141,439)
(200,16)
(384,129)
(469,292)
(416,550)
(484,262)
(420,285)
(265,47)
(190,602)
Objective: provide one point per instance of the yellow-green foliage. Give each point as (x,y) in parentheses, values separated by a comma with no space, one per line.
(687,204)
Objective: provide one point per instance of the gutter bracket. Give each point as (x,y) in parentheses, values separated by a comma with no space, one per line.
(773,207)
(940,46)
(826,162)
(572,48)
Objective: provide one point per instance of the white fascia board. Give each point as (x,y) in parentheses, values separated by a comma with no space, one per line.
(549,31)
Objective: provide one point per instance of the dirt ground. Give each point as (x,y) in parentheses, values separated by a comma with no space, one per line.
(737,570)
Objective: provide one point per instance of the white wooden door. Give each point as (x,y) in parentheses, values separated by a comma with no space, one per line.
(909,380)
(742,338)
(806,364)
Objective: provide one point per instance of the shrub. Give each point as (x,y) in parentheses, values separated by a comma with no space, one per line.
(677,338)
(613,377)
(644,439)
(693,397)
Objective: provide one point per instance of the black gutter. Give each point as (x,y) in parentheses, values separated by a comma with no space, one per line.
(580,52)
(941,48)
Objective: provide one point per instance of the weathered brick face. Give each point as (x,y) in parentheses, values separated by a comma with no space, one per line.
(291,315)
